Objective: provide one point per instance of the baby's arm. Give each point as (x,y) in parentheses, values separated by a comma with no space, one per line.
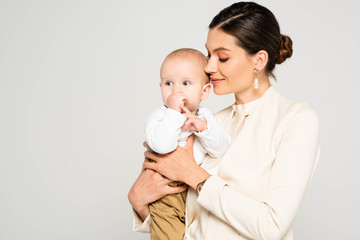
(163,128)
(214,139)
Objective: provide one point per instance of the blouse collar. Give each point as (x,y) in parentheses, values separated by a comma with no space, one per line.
(247,108)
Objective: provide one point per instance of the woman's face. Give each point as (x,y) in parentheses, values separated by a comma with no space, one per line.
(231,69)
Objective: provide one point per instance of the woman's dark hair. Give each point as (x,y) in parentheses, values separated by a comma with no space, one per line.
(255,28)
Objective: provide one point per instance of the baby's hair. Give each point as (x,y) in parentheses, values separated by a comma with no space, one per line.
(191,54)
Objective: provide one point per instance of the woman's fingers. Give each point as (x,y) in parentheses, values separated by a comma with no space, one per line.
(143,166)
(179,189)
(151,165)
(190,143)
(146,145)
(151,155)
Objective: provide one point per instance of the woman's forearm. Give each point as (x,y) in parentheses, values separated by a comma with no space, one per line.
(149,187)
(195,175)
(142,193)
(141,209)
(142,212)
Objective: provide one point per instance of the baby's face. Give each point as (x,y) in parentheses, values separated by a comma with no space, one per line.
(186,77)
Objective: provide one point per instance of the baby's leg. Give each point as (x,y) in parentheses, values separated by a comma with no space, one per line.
(168,215)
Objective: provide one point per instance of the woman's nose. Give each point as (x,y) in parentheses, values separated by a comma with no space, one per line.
(210,66)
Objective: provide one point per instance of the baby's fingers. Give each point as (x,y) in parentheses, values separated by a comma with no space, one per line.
(187,125)
(185,110)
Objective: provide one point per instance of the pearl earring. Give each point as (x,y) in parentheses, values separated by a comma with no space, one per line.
(256,81)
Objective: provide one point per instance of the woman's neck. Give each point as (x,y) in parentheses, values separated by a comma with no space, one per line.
(252,94)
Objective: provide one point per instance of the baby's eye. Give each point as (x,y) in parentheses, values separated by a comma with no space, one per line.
(208,56)
(168,83)
(186,83)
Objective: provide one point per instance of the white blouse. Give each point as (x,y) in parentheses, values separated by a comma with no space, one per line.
(195,217)
(262,177)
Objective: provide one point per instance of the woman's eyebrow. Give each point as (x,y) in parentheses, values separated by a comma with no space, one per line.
(219,49)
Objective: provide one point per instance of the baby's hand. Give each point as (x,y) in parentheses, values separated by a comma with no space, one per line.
(192,121)
(176,100)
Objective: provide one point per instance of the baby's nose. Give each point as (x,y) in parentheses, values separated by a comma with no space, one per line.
(178,88)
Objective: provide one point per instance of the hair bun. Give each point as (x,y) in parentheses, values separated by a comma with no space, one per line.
(285,48)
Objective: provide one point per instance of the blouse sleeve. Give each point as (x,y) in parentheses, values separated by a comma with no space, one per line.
(139,225)
(272,216)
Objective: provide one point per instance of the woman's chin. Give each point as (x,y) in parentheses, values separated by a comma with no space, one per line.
(219,91)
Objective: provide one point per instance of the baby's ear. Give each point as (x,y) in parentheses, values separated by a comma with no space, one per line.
(206,91)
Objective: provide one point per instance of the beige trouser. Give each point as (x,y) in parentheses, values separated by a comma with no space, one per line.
(168,216)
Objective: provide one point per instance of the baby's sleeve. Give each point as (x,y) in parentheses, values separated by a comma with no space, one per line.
(163,128)
(214,139)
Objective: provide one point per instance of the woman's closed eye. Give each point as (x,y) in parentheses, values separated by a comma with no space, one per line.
(223,59)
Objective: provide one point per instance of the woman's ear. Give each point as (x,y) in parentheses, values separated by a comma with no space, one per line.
(206,91)
(261,59)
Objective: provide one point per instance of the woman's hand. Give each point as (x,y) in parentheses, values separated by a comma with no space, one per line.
(149,187)
(178,165)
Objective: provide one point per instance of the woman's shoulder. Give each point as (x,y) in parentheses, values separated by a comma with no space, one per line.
(294,108)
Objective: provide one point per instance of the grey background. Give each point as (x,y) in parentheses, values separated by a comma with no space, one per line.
(79,78)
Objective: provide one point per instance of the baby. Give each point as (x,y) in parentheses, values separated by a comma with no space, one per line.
(184,84)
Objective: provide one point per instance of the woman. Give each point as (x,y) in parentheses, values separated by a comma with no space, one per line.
(254,190)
